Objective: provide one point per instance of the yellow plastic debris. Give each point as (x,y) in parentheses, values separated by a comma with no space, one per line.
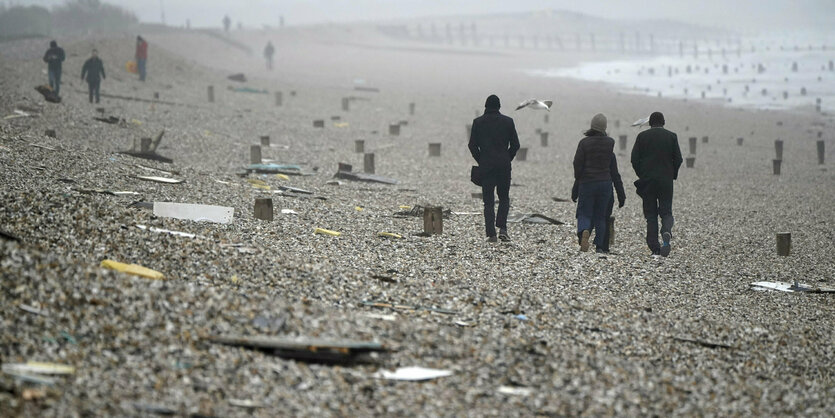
(131,67)
(282,176)
(133,269)
(358,209)
(136,122)
(389,235)
(258,184)
(327,232)
(405,207)
(341,124)
(39,368)
(235,279)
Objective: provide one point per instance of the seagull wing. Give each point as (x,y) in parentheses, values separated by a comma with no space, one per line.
(548,103)
(641,122)
(526,103)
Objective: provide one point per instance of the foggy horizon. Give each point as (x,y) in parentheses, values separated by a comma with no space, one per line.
(781,15)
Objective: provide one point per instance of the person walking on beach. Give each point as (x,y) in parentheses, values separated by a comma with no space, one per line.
(227,22)
(269,50)
(93,73)
(54,57)
(621,193)
(141,56)
(493,144)
(593,173)
(656,158)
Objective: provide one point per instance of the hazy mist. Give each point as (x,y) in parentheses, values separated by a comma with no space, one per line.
(747,15)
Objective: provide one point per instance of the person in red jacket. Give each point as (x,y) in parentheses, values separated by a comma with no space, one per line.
(141,56)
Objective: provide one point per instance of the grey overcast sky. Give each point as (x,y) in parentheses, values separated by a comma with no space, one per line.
(740,14)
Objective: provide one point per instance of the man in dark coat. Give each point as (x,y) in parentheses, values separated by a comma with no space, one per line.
(54,56)
(656,158)
(269,51)
(93,73)
(493,144)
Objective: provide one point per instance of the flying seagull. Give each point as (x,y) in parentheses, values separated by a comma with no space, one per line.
(536,104)
(641,122)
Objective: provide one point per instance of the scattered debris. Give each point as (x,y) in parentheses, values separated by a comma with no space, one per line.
(158,170)
(248,90)
(152,408)
(413,374)
(382,317)
(166,231)
(417,211)
(465,323)
(43,147)
(288,169)
(112,120)
(32,310)
(702,343)
(389,235)
(30,394)
(790,287)
(327,232)
(133,269)
(521,317)
(194,212)
(34,367)
(142,205)
(384,278)
(9,236)
(242,248)
(166,180)
(308,349)
(289,212)
(559,199)
(294,190)
(147,149)
(48,93)
(345,173)
(533,218)
(515,390)
(382,304)
(102,191)
(240,77)
(244,403)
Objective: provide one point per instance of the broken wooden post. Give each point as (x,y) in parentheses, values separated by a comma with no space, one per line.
(156,96)
(690,161)
(778,150)
(522,154)
(622,142)
(319,123)
(617,123)
(278,98)
(359,145)
(543,139)
(211,91)
(145,145)
(821,153)
(347,168)
(346,103)
(546,118)
(265,140)
(739,141)
(255,154)
(693,140)
(264,208)
(784,244)
(433,220)
(394,129)
(411,109)
(776,166)
(435,149)
(368,163)
(704,139)
(50,133)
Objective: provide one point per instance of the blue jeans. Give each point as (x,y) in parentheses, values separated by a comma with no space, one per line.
(593,199)
(140,67)
(55,81)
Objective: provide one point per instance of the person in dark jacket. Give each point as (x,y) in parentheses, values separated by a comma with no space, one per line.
(269,51)
(593,173)
(93,73)
(54,56)
(656,158)
(493,144)
(621,193)
(141,57)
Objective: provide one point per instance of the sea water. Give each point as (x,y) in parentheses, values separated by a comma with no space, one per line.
(762,75)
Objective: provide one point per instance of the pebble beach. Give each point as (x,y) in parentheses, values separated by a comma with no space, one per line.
(571,333)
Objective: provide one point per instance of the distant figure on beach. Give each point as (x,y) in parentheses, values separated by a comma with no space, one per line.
(141,57)
(269,51)
(53,57)
(227,22)
(656,158)
(594,166)
(493,144)
(93,73)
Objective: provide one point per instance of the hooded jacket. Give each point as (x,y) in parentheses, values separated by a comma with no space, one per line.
(493,140)
(54,56)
